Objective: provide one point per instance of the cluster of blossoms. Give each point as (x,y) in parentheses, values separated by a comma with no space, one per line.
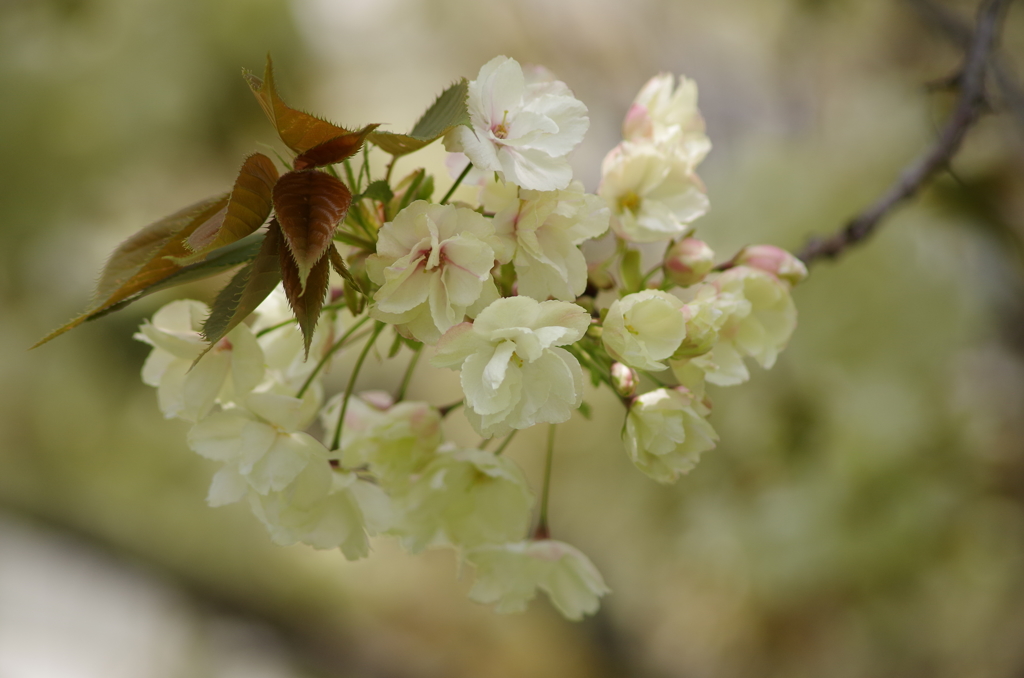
(500,291)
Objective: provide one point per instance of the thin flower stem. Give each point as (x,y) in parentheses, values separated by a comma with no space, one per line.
(408,374)
(290,321)
(351,176)
(653,378)
(327,356)
(450,408)
(465,172)
(504,443)
(485,443)
(336,441)
(391,166)
(542,531)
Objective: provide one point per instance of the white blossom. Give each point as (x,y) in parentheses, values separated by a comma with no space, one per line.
(433,263)
(522,130)
(228,371)
(510,574)
(539,232)
(643,329)
(758,325)
(325,509)
(665,434)
(393,440)
(262,446)
(513,373)
(465,498)
(653,194)
(668,114)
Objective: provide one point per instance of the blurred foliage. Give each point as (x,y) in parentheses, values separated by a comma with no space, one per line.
(864,513)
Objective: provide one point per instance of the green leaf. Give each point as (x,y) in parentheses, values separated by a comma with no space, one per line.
(341,268)
(378,190)
(446,113)
(247,289)
(145,259)
(586,410)
(355,301)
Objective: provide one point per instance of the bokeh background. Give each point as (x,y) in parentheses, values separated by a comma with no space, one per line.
(862,516)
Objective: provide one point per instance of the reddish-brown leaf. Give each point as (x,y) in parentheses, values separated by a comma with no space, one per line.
(145,259)
(309,204)
(306,300)
(299,131)
(333,151)
(248,207)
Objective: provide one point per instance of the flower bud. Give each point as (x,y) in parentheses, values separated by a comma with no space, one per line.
(688,261)
(625,380)
(774,260)
(702,325)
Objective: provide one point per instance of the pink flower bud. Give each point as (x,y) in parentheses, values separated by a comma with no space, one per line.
(688,261)
(625,380)
(378,400)
(774,260)
(638,124)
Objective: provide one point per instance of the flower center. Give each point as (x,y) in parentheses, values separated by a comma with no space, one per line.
(629,201)
(501,130)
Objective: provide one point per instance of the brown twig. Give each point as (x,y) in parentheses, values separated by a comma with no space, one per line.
(958,32)
(969,107)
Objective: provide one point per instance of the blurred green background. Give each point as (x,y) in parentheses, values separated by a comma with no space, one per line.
(862,516)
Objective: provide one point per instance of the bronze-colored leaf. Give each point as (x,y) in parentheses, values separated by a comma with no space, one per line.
(216,262)
(248,207)
(145,259)
(299,131)
(334,150)
(309,204)
(306,301)
(247,289)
